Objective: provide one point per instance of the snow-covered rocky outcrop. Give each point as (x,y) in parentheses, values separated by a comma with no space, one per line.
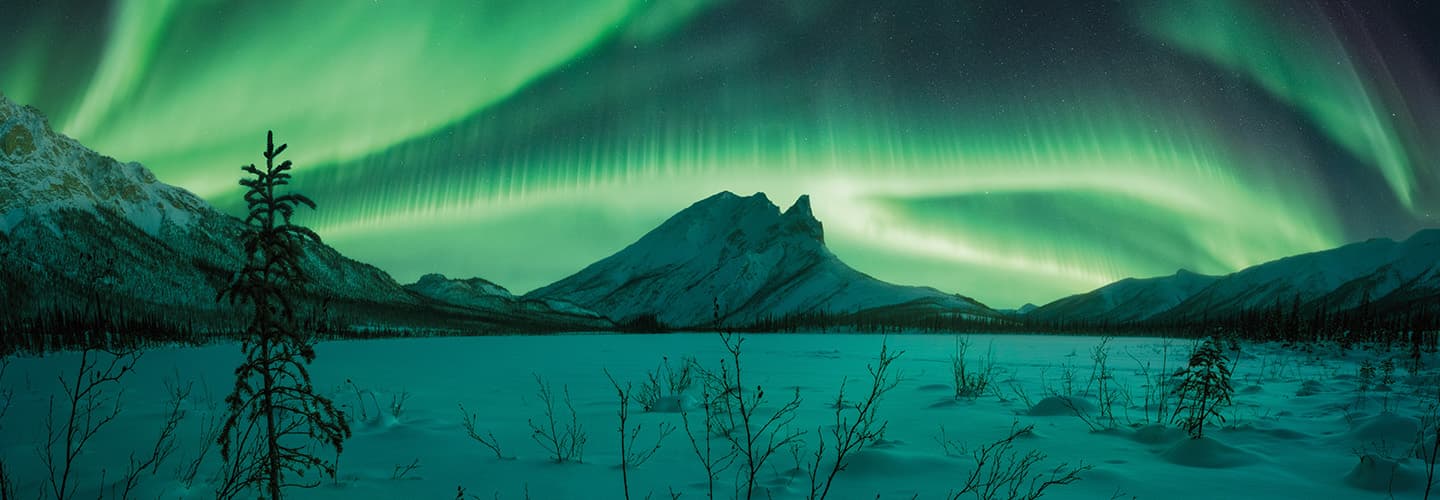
(744,255)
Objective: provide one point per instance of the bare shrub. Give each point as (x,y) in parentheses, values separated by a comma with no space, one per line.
(714,462)
(564,442)
(630,456)
(488,440)
(1002,472)
(88,408)
(1157,395)
(209,434)
(970,381)
(7,396)
(1105,391)
(1020,393)
(164,443)
(665,381)
(397,403)
(851,435)
(362,409)
(400,470)
(755,434)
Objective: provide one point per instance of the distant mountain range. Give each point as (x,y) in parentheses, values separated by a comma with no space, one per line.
(1130,299)
(494,301)
(78,228)
(1388,275)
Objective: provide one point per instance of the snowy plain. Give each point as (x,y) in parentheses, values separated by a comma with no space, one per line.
(1299,425)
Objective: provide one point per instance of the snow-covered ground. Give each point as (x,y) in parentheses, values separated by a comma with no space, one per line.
(1297,430)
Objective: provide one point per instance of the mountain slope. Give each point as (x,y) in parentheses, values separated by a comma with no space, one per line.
(1130,299)
(1413,274)
(1339,279)
(744,256)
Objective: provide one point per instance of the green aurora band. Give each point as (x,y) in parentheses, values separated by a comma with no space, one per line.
(503,139)
(1306,67)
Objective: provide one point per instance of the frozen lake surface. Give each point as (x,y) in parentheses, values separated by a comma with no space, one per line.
(1299,425)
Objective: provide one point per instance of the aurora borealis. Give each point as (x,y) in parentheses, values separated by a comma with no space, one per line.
(1013,151)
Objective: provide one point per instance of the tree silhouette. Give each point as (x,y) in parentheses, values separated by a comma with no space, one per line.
(274,417)
(1204,390)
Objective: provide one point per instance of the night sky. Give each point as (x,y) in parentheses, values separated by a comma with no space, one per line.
(1014,151)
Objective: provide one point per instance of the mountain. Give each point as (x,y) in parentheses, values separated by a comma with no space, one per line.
(1019,311)
(80,230)
(1130,299)
(1382,270)
(77,226)
(746,257)
(1389,275)
(495,301)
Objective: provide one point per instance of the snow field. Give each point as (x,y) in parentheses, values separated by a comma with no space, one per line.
(1300,427)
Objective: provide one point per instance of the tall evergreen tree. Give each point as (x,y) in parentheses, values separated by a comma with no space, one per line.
(274,414)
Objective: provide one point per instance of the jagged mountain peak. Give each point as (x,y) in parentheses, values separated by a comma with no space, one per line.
(743,253)
(751,218)
(47,171)
(801,208)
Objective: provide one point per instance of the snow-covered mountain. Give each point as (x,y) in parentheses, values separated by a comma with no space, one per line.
(1391,275)
(1338,279)
(1130,299)
(78,227)
(497,302)
(744,255)
(74,222)
(1413,274)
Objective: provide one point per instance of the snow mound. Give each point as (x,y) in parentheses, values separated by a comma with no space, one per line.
(1061,406)
(1311,388)
(1384,428)
(1377,473)
(1158,434)
(1208,453)
(872,461)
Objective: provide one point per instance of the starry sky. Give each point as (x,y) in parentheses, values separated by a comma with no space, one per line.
(1013,151)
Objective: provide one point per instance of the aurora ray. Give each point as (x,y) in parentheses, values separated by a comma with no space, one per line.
(1300,59)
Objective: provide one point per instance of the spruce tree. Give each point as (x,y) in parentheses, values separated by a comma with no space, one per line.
(1204,391)
(274,416)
